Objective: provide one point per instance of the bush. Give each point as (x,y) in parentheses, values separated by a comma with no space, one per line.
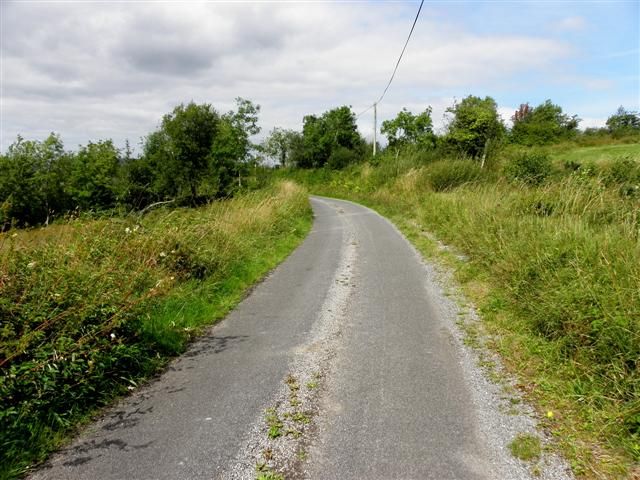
(448,174)
(341,157)
(622,170)
(529,167)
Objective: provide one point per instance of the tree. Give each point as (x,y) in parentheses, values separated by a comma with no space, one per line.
(296,150)
(94,181)
(279,145)
(232,141)
(33,184)
(179,151)
(197,153)
(232,149)
(139,177)
(410,129)
(323,135)
(543,124)
(475,126)
(623,122)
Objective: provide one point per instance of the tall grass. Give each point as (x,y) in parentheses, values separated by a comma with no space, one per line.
(88,308)
(554,266)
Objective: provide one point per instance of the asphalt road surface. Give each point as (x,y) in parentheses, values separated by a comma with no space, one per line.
(394,402)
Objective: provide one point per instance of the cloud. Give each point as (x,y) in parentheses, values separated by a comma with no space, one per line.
(590,122)
(571,24)
(92,71)
(507,113)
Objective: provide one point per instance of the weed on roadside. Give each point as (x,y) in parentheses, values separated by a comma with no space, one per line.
(526,447)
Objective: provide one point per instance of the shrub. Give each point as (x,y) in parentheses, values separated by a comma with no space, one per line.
(341,157)
(622,170)
(529,167)
(572,165)
(448,174)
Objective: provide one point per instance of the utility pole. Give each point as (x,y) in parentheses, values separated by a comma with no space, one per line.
(375,127)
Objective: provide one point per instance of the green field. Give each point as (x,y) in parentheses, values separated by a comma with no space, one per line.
(603,153)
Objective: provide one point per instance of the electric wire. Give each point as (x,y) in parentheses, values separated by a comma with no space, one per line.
(364,111)
(397,63)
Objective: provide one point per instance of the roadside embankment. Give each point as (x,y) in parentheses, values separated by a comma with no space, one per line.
(88,309)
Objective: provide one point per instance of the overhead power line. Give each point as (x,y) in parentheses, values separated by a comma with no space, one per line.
(395,69)
(364,111)
(401,54)
(397,63)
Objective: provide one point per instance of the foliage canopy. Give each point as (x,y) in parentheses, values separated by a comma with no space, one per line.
(542,125)
(474,126)
(410,129)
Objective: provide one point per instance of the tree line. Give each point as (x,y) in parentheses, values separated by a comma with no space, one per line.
(474,130)
(198,154)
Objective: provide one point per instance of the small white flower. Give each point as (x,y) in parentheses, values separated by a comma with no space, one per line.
(113,336)
(131,388)
(127,230)
(162,254)
(14,235)
(31,264)
(135,229)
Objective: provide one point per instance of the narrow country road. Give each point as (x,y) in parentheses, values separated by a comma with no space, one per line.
(352,327)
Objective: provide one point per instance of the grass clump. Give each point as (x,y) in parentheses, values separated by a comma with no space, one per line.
(274,423)
(530,167)
(445,175)
(526,447)
(89,308)
(265,473)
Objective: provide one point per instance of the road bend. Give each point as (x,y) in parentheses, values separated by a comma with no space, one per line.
(394,402)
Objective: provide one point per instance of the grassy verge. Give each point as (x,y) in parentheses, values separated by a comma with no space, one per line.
(554,267)
(90,308)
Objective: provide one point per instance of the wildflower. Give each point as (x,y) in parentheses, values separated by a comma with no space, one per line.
(14,235)
(162,254)
(113,336)
(130,388)
(127,230)
(31,264)
(549,414)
